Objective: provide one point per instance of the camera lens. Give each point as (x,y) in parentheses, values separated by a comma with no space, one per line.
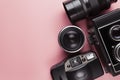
(71,39)
(80,9)
(115,32)
(117,52)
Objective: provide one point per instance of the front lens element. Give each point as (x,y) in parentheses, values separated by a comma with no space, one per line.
(71,39)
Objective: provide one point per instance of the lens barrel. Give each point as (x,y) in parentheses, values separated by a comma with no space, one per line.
(80,9)
(71,39)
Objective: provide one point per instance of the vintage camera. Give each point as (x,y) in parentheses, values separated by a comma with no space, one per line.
(81,67)
(106,32)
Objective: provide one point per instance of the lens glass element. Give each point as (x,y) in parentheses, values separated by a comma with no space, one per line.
(71,39)
(115,32)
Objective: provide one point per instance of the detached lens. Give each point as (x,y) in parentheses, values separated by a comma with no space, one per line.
(71,39)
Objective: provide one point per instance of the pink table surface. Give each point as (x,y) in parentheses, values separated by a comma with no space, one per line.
(28,38)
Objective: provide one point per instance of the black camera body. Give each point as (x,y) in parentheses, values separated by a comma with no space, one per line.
(107,34)
(81,67)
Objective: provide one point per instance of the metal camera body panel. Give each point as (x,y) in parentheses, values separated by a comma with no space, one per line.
(108,48)
(80,67)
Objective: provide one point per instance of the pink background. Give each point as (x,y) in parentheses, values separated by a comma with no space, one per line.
(28,38)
